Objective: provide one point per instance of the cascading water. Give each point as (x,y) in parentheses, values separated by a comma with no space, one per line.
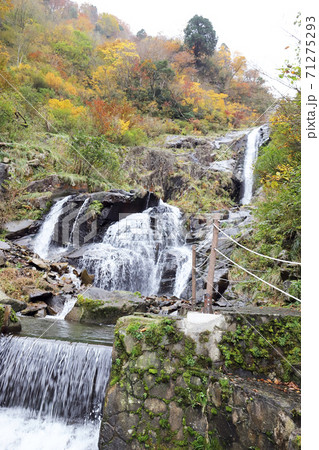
(43,239)
(51,393)
(74,235)
(143,252)
(251,153)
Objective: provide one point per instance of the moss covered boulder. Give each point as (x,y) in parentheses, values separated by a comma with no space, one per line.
(96,305)
(9,323)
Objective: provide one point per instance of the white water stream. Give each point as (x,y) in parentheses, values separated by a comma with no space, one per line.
(43,239)
(253,142)
(20,431)
(143,252)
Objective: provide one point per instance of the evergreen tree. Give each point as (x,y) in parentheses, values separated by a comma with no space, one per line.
(200,37)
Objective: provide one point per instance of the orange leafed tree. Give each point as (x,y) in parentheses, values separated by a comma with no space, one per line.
(112,118)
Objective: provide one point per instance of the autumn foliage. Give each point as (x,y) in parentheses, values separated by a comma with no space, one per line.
(87,71)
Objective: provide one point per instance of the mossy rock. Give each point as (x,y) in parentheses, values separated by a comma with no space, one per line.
(13,326)
(100,306)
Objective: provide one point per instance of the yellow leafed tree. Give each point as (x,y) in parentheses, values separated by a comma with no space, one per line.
(65,106)
(5,7)
(119,59)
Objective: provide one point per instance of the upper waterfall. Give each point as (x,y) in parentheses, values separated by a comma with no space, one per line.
(251,153)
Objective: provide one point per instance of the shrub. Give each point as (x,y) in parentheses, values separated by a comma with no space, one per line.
(134,136)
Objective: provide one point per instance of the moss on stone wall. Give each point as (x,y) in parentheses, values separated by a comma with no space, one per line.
(165,394)
(157,366)
(262,348)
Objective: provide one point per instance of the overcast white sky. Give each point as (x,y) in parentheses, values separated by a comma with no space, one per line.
(254,28)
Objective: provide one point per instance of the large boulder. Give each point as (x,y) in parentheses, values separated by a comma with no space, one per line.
(16,305)
(96,305)
(20,228)
(87,216)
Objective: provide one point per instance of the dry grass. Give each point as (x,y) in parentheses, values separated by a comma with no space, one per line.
(17,283)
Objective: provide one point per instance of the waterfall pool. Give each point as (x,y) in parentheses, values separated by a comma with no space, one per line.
(21,431)
(67,331)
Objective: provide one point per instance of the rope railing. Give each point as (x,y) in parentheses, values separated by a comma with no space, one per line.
(255,276)
(256,253)
(255,329)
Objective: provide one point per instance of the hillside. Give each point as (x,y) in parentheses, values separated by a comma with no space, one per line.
(87,102)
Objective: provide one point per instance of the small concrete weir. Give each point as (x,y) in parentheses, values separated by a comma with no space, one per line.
(51,393)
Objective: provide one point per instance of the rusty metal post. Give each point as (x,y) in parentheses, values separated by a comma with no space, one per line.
(212,263)
(193,276)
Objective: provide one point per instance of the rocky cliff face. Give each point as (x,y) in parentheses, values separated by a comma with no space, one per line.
(183,163)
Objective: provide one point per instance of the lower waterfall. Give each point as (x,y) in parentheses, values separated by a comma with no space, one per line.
(143,252)
(51,393)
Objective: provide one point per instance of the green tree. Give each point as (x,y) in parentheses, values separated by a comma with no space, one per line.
(141,34)
(200,37)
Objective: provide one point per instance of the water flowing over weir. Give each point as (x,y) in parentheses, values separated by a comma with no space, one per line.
(52,384)
(143,252)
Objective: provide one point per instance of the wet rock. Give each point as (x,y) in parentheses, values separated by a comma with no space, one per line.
(20,228)
(90,226)
(33,308)
(39,295)
(41,313)
(57,303)
(86,278)
(3,259)
(51,311)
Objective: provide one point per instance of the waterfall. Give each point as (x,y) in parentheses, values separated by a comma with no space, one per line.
(143,252)
(43,239)
(251,153)
(54,386)
(74,235)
